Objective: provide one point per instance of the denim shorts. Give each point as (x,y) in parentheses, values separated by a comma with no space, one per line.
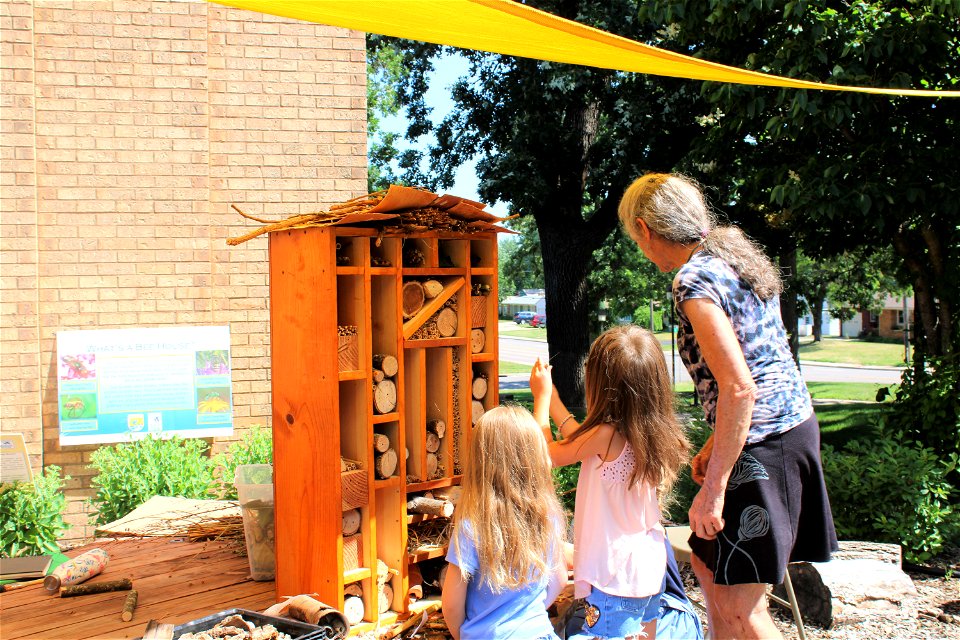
(609,616)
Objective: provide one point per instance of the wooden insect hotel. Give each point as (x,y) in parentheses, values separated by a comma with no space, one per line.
(384,353)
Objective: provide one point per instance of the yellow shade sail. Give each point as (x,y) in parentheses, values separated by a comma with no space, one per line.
(510,28)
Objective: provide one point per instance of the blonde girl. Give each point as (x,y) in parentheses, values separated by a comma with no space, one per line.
(631,446)
(506,564)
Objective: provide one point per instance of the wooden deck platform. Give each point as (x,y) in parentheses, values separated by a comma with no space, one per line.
(176,582)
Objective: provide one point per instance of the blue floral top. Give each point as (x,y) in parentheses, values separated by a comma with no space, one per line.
(783,401)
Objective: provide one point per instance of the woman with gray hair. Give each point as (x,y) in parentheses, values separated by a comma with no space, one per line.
(762,501)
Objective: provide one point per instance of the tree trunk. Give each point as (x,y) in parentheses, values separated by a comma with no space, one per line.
(788,302)
(816,308)
(566,262)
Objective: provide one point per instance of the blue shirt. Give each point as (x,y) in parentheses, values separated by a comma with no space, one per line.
(518,614)
(782,401)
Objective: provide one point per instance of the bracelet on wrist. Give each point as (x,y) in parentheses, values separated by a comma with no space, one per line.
(564,421)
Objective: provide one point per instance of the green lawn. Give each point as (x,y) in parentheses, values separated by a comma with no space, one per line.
(852,351)
(839,422)
(839,350)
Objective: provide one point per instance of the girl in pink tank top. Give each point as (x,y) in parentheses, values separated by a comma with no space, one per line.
(630,446)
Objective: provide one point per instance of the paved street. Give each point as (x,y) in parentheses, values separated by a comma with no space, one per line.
(526,351)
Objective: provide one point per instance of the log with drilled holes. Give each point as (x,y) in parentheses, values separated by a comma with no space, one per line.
(386,363)
(432,288)
(384,396)
(478,340)
(380,442)
(385,464)
(412,298)
(479,388)
(433,442)
(351,522)
(477,411)
(446,322)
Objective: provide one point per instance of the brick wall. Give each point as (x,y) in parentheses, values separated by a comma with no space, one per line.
(128,129)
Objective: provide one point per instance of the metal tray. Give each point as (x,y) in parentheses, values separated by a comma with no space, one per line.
(294,628)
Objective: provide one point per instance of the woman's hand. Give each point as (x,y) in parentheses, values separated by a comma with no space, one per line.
(698,466)
(706,514)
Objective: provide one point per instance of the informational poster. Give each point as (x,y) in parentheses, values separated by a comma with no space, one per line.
(14,462)
(122,384)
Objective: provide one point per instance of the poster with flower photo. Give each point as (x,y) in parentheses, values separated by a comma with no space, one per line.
(120,384)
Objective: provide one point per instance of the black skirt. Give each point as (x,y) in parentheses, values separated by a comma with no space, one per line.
(775,511)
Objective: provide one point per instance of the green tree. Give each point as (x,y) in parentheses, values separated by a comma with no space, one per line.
(855,280)
(520,263)
(385,71)
(833,171)
(559,142)
(839,170)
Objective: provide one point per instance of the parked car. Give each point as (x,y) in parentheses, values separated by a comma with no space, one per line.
(523,316)
(538,320)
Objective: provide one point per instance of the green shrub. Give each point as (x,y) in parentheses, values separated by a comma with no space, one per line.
(927,405)
(31,514)
(254,447)
(132,473)
(885,490)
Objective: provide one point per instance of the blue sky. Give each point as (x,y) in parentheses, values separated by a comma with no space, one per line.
(447,70)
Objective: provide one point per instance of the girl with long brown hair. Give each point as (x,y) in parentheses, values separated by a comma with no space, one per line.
(631,447)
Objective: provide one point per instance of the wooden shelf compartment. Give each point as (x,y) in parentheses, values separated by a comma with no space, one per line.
(350,301)
(439,406)
(483,251)
(392,431)
(384,253)
(425,245)
(452,254)
(415,411)
(351,252)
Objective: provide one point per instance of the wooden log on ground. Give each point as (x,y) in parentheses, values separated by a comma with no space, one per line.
(412,298)
(432,288)
(438,427)
(307,609)
(850,591)
(477,340)
(430,506)
(129,605)
(385,396)
(380,442)
(386,363)
(433,442)
(446,322)
(479,388)
(432,464)
(124,584)
(385,464)
(351,522)
(477,411)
